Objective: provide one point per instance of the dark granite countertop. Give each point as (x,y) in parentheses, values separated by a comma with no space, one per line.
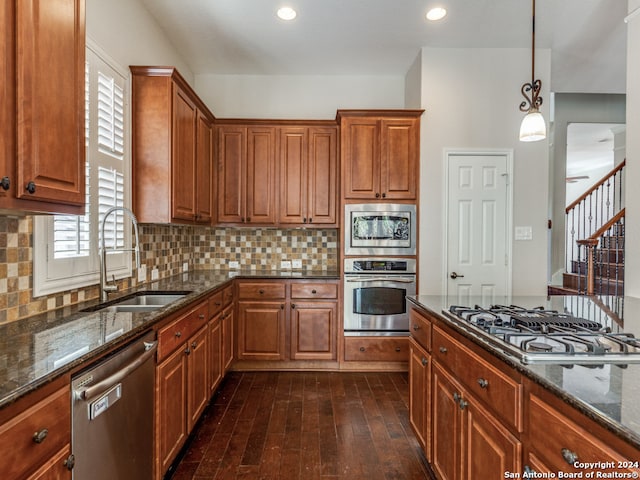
(39,349)
(608,393)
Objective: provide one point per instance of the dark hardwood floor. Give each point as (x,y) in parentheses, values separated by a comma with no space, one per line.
(305,425)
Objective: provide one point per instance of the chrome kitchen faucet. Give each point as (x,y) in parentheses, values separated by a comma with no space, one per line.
(105,288)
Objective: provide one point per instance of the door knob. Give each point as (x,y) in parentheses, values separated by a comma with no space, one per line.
(454,275)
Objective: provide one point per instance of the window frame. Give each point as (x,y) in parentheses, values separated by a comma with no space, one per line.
(52,275)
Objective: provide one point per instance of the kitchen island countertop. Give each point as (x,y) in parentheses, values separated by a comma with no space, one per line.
(41,348)
(606,393)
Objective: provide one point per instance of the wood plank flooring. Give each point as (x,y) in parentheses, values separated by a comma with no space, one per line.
(305,425)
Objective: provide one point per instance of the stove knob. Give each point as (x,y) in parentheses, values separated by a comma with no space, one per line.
(569,456)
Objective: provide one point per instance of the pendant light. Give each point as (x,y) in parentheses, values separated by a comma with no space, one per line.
(533,126)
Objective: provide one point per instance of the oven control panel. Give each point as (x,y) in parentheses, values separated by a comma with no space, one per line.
(362,265)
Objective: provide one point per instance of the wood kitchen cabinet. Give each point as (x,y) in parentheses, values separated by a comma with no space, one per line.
(36,435)
(182,381)
(246,173)
(308,172)
(420,395)
(172,149)
(42,152)
(314,311)
(380,154)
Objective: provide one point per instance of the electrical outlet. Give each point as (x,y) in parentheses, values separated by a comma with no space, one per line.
(285,265)
(185,267)
(155,274)
(142,273)
(296,263)
(234,264)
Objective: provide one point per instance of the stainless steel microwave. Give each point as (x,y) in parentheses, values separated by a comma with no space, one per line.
(380,229)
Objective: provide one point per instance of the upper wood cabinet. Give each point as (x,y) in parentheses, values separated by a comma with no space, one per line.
(380,154)
(308,175)
(42,151)
(172,149)
(246,174)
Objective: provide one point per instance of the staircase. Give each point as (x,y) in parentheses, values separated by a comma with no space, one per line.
(595,240)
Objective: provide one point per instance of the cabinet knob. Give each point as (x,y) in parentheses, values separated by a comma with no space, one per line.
(456,397)
(416,326)
(5,183)
(377,195)
(528,469)
(178,334)
(261,292)
(39,437)
(362,349)
(188,351)
(314,291)
(443,349)
(293,305)
(304,219)
(424,362)
(569,456)
(218,304)
(201,316)
(384,195)
(248,219)
(483,383)
(463,404)
(310,220)
(194,345)
(70,462)
(397,349)
(282,306)
(31,187)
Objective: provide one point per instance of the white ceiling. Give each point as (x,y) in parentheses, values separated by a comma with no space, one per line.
(587,38)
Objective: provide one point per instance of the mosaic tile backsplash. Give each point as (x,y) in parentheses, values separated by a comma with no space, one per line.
(165,247)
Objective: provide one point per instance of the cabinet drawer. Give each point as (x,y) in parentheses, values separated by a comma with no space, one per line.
(500,392)
(215,303)
(380,349)
(177,332)
(270,290)
(20,450)
(420,329)
(227,295)
(314,290)
(553,436)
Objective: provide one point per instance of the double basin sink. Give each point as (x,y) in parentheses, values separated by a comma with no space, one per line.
(140,302)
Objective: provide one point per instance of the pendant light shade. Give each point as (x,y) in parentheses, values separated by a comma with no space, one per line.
(533,127)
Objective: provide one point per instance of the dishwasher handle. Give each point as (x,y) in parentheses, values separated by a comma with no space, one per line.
(93,390)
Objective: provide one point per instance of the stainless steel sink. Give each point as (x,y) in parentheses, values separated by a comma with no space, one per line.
(141,302)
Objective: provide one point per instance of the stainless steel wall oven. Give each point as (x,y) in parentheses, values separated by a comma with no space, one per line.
(374,295)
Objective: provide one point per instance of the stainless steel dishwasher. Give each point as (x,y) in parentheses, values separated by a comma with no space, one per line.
(112,408)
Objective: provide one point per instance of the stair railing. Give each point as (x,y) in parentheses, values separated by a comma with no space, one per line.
(610,237)
(593,209)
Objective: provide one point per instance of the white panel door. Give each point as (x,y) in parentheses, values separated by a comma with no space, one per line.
(477,237)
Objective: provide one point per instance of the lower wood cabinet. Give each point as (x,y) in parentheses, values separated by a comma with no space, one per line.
(261,330)
(36,441)
(228,337)
(420,395)
(377,349)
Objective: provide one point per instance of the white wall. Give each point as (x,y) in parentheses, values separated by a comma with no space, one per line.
(126,31)
(471,98)
(296,96)
(413,84)
(632,197)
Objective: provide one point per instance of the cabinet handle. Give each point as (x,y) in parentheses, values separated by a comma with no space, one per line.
(282,306)
(178,334)
(424,362)
(483,383)
(314,291)
(70,462)
(416,326)
(304,219)
(362,349)
(218,304)
(194,345)
(31,187)
(187,351)
(397,349)
(569,456)
(456,397)
(39,437)
(310,220)
(5,183)
(463,404)
(443,349)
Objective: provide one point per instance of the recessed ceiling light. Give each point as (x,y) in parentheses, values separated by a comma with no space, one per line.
(437,13)
(287,13)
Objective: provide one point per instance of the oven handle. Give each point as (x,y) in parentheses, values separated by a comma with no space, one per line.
(380,279)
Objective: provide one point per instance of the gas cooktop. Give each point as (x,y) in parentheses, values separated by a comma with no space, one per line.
(539,335)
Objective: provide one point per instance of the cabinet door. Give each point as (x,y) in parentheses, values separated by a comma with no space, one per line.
(50,46)
(7,106)
(261,332)
(227,338)
(171,408)
(261,175)
(399,158)
(313,330)
(361,157)
(488,448)
(183,165)
(293,161)
(447,428)
(215,353)
(322,176)
(198,376)
(203,172)
(420,396)
(55,468)
(232,152)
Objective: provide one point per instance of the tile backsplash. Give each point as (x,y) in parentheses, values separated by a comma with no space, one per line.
(165,247)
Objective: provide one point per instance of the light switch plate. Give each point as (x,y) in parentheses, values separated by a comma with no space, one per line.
(285,265)
(234,264)
(142,273)
(524,233)
(155,274)
(296,263)
(185,267)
